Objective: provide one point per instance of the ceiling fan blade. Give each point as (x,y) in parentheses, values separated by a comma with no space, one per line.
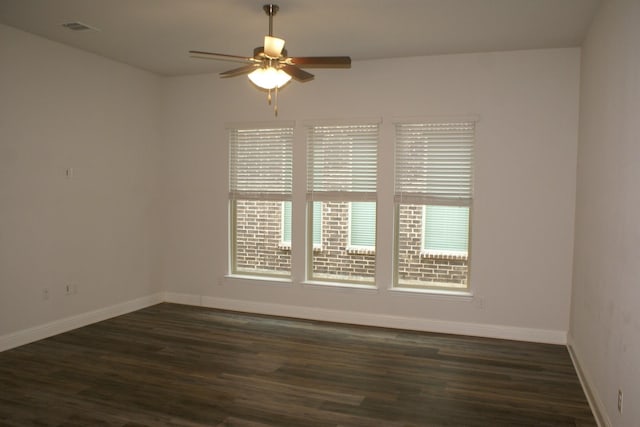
(297,73)
(220,56)
(238,71)
(321,61)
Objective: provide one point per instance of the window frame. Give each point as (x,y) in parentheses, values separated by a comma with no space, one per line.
(286,244)
(246,183)
(341,191)
(422,194)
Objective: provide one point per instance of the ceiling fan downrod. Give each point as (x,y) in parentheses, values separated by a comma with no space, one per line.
(271,10)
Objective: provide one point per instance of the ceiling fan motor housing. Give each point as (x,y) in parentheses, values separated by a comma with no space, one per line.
(258,53)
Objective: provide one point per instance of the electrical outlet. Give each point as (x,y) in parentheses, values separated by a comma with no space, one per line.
(620,401)
(70,289)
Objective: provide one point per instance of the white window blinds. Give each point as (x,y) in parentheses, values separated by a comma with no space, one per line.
(434,163)
(260,163)
(342,161)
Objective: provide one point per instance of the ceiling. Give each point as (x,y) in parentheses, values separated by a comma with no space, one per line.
(156,35)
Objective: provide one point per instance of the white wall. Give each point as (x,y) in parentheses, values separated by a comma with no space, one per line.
(62,108)
(135,219)
(523,219)
(605,323)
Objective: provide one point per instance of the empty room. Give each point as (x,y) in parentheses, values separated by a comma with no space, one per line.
(337,213)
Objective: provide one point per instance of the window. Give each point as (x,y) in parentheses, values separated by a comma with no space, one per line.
(445,230)
(433,195)
(286,225)
(260,180)
(362,227)
(342,174)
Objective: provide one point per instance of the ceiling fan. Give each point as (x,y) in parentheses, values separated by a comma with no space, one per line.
(270,67)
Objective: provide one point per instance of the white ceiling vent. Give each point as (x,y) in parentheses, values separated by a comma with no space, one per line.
(78,26)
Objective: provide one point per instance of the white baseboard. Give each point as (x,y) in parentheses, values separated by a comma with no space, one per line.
(63,325)
(596,404)
(186,299)
(312,313)
(371,319)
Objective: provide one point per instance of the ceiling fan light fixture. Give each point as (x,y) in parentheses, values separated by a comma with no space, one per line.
(273,47)
(269,78)
(270,67)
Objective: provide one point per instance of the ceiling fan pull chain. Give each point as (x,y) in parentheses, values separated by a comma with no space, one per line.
(269,97)
(275,106)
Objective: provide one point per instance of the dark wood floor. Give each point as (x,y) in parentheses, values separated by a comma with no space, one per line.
(173,365)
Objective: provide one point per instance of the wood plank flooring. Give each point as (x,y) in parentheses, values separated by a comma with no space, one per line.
(174,365)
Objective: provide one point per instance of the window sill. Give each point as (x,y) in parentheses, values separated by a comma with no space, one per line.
(286,246)
(341,285)
(233,279)
(361,250)
(461,294)
(451,256)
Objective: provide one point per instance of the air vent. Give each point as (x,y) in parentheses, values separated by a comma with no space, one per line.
(78,26)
